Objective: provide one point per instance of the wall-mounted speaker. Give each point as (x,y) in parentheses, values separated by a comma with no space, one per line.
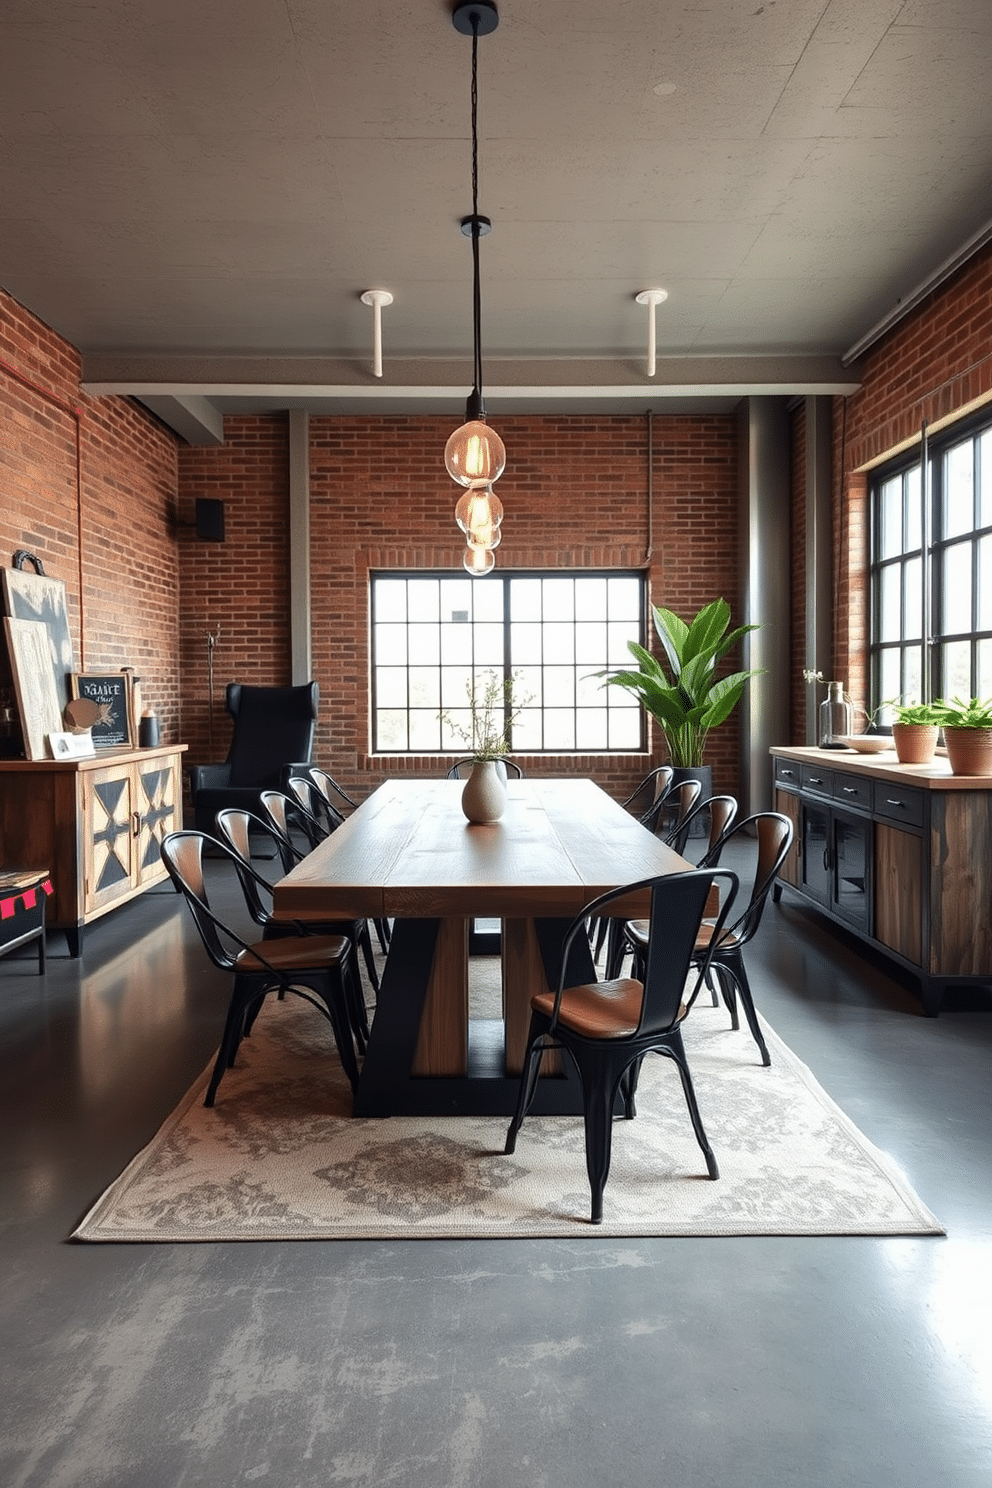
(209,520)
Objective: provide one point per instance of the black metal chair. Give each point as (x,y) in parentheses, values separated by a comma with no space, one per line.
(316,814)
(608,1027)
(236,828)
(329,788)
(723,953)
(314,967)
(273,733)
(462,769)
(674,815)
(284,813)
(646,798)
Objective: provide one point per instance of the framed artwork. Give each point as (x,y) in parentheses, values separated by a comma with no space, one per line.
(34,684)
(33,596)
(111,692)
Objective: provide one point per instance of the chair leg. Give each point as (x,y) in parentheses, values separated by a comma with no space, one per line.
(528,1085)
(675,1051)
(365,941)
(736,976)
(599,1091)
(726,982)
(382,934)
(242,1007)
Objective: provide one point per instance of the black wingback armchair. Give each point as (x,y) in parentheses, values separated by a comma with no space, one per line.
(273,734)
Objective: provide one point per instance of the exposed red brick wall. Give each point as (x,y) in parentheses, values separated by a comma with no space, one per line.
(935,364)
(576,495)
(238,590)
(90,486)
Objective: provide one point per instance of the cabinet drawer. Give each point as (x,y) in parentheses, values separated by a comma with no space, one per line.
(787,773)
(899,804)
(853,790)
(820,782)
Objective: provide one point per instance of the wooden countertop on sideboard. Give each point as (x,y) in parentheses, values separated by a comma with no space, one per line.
(97,761)
(935,776)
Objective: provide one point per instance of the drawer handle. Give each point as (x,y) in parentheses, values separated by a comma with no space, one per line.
(849,790)
(783,773)
(815,780)
(901,804)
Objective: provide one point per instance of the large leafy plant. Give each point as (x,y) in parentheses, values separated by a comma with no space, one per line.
(690,698)
(975,713)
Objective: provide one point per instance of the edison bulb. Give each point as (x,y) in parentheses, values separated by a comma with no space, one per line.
(475,454)
(478,508)
(479,561)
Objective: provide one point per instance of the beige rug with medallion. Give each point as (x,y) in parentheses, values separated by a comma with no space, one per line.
(279,1157)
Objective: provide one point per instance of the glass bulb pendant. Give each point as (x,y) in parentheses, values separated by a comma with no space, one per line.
(475,454)
(479,561)
(477,509)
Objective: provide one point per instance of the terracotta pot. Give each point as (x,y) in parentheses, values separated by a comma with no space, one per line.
(484,795)
(915,742)
(969,750)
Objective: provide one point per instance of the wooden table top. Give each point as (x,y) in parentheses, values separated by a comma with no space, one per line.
(409,852)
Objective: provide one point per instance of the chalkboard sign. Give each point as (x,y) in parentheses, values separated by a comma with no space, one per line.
(111,691)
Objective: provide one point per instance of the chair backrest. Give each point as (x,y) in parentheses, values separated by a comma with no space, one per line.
(722,811)
(280,811)
(182,854)
(678,904)
(273,727)
(235,828)
(680,801)
(462,769)
(329,788)
(646,799)
(317,818)
(774,837)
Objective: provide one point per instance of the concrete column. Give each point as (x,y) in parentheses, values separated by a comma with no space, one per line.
(763,449)
(819,555)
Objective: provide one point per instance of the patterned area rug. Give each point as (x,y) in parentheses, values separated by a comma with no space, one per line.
(279,1158)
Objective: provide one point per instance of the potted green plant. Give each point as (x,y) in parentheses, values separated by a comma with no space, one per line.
(690,697)
(967,734)
(914,732)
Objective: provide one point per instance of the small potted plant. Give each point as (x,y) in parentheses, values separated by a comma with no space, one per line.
(967,734)
(491,710)
(914,732)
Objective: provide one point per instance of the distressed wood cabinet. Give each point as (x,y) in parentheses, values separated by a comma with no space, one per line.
(901,855)
(95,823)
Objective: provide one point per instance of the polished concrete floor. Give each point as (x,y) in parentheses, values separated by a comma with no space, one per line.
(821,1362)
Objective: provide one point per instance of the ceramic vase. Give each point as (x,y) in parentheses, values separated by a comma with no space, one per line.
(484,795)
(915,742)
(969,750)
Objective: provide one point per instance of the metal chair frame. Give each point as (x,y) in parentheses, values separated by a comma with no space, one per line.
(608,1065)
(255,975)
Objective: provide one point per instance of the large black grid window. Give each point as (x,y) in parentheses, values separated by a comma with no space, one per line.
(431,635)
(958,535)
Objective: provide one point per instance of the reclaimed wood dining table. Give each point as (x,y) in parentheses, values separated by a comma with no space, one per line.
(408,855)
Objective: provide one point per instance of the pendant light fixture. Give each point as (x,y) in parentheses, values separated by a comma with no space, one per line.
(475,455)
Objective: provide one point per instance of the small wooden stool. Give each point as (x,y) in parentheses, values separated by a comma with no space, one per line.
(23,895)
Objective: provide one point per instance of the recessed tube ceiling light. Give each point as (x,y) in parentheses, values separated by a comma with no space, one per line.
(652,298)
(377,298)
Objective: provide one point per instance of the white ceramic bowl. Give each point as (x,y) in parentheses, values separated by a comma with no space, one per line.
(870,743)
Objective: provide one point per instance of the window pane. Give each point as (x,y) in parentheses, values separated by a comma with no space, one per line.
(529,686)
(456,645)
(390,599)
(617,637)
(958,505)
(527,730)
(985,580)
(590,599)
(890,604)
(390,643)
(890,676)
(912,674)
(559,599)
(985,480)
(591,729)
(454,685)
(559,728)
(913,606)
(487,602)
(590,643)
(984,649)
(425,688)
(423,599)
(425,731)
(525,645)
(955,662)
(525,599)
(455,599)
(489,646)
(625,599)
(625,728)
(559,687)
(390,729)
(914,511)
(956,589)
(890,518)
(391,687)
(425,646)
(559,643)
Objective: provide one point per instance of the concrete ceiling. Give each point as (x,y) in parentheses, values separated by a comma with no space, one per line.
(196,194)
